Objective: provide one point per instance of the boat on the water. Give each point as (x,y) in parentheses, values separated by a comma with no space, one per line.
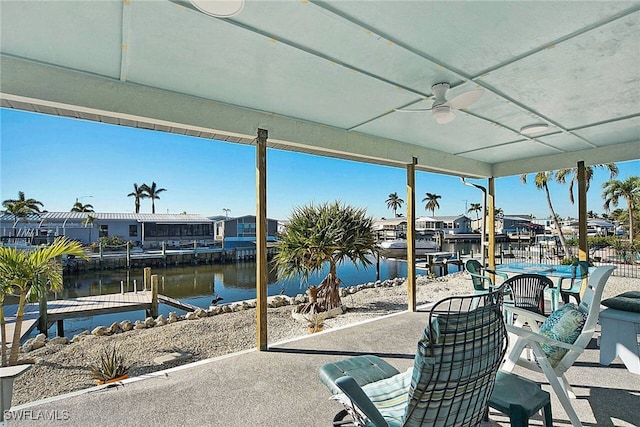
(424,244)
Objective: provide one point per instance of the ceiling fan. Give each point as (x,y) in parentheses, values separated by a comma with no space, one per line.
(441,109)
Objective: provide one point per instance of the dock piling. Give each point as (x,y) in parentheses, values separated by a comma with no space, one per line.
(42,324)
(147,277)
(154,295)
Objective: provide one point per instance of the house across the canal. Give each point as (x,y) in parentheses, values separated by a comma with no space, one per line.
(144,230)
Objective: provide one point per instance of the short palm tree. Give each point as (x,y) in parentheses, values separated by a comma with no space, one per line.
(152,193)
(79,207)
(29,275)
(477,208)
(432,202)
(139,194)
(628,190)
(21,207)
(394,202)
(329,233)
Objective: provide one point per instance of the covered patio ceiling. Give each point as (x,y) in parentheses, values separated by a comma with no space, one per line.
(325,77)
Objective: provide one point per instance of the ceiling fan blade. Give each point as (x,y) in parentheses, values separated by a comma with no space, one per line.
(411,110)
(465,99)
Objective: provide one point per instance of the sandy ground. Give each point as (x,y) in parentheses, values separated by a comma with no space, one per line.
(61,368)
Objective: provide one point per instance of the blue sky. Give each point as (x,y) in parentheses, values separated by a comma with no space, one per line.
(56,160)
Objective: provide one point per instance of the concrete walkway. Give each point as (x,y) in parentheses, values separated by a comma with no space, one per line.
(280,387)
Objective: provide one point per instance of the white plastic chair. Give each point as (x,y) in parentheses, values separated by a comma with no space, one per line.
(524,339)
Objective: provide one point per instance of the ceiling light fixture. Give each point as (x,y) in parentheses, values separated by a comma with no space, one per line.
(442,114)
(215,8)
(531,129)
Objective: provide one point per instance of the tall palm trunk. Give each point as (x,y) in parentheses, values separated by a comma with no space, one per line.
(15,343)
(563,242)
(631,213)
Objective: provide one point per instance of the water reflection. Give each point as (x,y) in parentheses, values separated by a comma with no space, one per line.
(232,282)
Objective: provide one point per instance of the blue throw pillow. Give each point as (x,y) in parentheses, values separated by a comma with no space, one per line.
(564,324)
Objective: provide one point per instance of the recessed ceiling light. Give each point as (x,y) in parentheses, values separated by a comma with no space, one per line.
(531,129)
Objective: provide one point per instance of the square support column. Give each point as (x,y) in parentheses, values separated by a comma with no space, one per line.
(411,238)
(261,240)
(583,249)
(491,223)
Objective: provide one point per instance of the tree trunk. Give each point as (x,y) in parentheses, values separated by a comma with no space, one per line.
(3,336)
(15,343)
(329,291)
(630,203)
(563,242)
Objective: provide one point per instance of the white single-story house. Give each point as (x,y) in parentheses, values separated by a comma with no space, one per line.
(145,230)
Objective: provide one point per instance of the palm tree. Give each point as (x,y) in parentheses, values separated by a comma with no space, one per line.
(21,207)
(30,275)
(152,193)
(329,233)
(90,220)
(432,202)
(394,202)
(139,194)
(226,212)
(477,208)
(79,207)
(572,174)
(628,190)
(541,179)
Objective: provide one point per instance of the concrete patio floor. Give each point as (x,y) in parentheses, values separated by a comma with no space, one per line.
(281,387)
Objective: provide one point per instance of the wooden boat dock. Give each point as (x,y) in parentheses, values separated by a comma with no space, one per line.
(56,311)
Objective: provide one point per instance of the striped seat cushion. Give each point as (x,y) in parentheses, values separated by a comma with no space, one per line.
(454,366)
(388,395)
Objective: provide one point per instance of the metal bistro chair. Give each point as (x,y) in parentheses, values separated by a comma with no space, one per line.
(526,291)
(481,282)
(452,379)
(580,271)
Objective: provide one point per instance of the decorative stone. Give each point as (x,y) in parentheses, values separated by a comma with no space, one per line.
(173,317)
(226,309)
(28,345)
(59,340)
(149,322)
(99,331)
(161,321)
(201,313)
(77,338)
(126,325)
(41,337)
(191,316)
(115,328)
(37,344)
(139,325)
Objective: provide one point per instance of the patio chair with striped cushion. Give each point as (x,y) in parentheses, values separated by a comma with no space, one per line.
(452,378)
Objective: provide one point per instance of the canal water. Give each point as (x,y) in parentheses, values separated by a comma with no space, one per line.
(198,285)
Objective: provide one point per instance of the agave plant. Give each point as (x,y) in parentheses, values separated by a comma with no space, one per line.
(110,366)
